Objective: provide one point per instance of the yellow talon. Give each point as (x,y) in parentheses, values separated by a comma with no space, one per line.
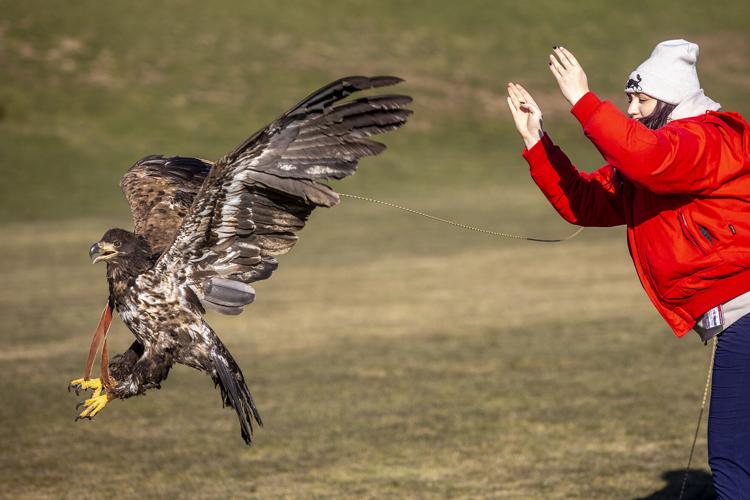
(93,405)
(81,384)
(98,400)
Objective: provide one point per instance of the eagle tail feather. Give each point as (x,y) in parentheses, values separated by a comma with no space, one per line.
(234,392)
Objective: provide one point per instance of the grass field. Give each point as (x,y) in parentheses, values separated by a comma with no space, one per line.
(390,356)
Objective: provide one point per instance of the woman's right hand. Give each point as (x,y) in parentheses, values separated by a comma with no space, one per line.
(526,114)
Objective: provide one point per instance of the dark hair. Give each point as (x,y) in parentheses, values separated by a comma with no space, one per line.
(659,116)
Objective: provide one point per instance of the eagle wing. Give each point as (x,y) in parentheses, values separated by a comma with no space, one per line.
(160,192)
(256,198)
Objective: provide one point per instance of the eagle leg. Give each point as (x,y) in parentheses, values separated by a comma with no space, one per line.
(122,364)
(99,398)
(135,378)
(97,401)
(123,368)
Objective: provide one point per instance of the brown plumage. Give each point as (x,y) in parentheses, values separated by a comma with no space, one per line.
(204,232)
(160,191)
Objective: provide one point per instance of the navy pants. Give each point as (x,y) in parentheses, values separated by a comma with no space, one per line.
(729,416)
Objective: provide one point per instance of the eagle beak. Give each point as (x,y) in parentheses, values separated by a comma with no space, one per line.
(102,251)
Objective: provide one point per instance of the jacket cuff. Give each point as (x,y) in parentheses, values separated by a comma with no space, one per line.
(539,150)
(585,107)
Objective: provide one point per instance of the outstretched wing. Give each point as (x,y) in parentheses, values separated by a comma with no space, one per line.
(160,192)
(256,198)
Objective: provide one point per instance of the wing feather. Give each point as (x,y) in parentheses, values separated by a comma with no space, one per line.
(160,192)
(256,199)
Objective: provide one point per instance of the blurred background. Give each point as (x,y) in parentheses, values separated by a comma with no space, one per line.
(389,355)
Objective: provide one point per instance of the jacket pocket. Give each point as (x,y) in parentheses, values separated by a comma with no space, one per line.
(701,241)
(689,259)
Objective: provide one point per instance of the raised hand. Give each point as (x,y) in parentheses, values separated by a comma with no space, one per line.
(526,114)
(569,74)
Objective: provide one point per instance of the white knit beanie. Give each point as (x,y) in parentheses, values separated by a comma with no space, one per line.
(669,74)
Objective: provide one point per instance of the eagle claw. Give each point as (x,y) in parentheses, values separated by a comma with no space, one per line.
(96,402)
(92,406)
(82,384)
(75,387)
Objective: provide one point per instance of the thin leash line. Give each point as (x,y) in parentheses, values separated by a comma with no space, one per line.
(528,238)
(700,415)
(460,225)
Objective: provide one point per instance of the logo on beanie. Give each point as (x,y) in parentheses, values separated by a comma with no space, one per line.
(634,85)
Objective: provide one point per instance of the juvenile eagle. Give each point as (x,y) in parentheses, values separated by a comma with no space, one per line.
(205,231)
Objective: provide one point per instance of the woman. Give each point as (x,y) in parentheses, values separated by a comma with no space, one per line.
(678,176)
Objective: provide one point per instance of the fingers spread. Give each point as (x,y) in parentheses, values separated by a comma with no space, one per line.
(564,61)
(555,69)
(569,55)
(556,64)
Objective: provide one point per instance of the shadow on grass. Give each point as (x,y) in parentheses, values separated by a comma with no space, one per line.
(699,486)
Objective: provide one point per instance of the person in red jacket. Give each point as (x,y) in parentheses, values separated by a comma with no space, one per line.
(677,175)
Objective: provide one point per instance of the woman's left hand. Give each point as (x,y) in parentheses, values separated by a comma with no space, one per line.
(569,74)
(526,114)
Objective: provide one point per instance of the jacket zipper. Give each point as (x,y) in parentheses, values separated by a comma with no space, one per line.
(706,234)
(691,238)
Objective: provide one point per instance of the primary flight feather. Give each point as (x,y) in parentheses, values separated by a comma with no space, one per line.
(204,231)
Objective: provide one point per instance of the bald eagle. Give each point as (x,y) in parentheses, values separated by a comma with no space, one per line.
(204,231)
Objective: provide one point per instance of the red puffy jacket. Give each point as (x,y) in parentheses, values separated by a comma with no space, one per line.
(682,190)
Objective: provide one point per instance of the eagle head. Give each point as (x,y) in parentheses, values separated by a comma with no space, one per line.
(118,245)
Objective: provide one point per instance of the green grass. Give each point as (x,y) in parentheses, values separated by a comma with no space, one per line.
(90,87)
(390,356)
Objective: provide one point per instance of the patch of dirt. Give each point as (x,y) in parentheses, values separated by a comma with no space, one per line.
(44,350)
(102,72)
(63,55)
(66,47)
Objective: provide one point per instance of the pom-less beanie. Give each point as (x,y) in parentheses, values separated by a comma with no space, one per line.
(668,74)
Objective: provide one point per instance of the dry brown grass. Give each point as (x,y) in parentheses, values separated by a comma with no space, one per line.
(389,356)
